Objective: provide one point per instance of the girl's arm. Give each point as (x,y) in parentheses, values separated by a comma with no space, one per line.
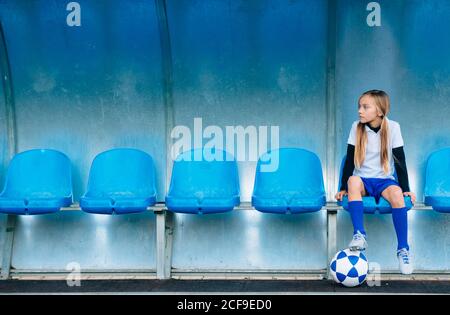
(348,167)
(400,168)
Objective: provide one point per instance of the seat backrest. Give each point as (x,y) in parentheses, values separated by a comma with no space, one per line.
(39,173)
(437,178)
(122,171)
(299,174)
(202,173)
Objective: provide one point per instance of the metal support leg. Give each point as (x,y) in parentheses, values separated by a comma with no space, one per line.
(8,246)
(164,236)
(331,237)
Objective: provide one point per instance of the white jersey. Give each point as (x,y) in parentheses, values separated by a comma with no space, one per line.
(371,167)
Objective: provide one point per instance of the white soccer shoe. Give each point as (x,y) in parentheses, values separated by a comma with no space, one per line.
(404,261)
(358,242)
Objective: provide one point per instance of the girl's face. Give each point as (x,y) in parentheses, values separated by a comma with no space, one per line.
(367,109)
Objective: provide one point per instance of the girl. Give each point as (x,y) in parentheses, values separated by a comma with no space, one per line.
(375,147)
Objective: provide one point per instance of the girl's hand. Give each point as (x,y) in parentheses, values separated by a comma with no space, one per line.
(340,195)
(411,194)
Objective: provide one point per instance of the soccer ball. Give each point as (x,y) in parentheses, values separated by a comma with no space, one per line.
(349,268)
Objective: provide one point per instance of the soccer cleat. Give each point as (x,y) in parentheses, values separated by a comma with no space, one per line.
(358,243)
(404,261)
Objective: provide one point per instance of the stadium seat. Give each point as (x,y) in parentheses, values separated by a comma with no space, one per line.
(437,181)
(38,181)
(203,182)
(120,181)
(296,186)
(370,204)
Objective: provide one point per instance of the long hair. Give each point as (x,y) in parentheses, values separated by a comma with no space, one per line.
(383,105)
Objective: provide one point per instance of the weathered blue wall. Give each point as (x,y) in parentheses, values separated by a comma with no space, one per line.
(408,58)
(252,63)
(4,154)
(95,242)
(83,90)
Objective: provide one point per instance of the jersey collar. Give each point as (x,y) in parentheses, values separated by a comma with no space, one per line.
(368,129)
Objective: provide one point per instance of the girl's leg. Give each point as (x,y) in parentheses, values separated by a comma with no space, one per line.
(356,191)
(394,195)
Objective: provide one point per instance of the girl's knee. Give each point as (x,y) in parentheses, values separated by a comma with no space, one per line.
(355,188)
(397,200)
(354,183)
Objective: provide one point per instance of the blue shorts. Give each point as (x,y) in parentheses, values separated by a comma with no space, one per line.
(375,186)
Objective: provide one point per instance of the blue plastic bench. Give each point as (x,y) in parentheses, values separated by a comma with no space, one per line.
(120,181)
(296,186)
(370,204)
(437,181)
(203,183)
(38,181)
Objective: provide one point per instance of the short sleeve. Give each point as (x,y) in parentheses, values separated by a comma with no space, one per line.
(397,139)
(352,136)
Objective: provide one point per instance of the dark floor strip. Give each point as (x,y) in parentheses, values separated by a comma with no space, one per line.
(212,286)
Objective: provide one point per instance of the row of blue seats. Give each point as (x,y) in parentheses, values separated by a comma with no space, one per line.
(123,181)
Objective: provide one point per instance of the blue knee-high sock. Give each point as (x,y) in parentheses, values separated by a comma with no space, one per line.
(356,210)
(400,218)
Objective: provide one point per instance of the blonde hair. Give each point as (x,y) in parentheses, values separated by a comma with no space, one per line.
(383,105)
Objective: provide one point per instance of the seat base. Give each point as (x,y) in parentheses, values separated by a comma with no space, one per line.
(438,203)
(285,206)
(371,206)
(203,206)
(114,205)
(33,206)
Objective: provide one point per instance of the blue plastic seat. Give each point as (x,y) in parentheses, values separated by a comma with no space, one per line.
(296,186)
(437,181)
(120,181)
(370,204)
(38,181)
(202,183)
